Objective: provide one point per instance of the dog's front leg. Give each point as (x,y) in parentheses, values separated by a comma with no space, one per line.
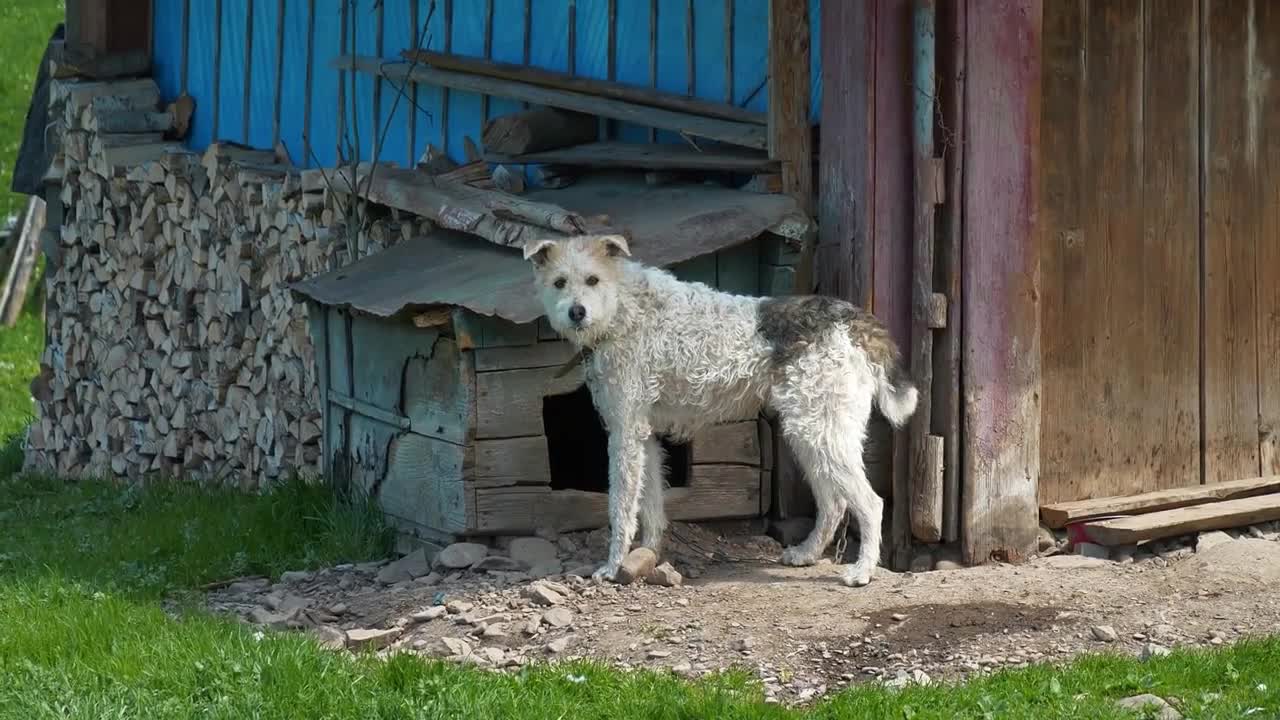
(626,481)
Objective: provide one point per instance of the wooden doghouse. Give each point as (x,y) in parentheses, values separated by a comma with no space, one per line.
(444,393)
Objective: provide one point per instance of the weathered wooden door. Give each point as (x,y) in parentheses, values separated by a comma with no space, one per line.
(1160,323)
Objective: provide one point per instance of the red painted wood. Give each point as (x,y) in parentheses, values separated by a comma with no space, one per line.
(1001,265)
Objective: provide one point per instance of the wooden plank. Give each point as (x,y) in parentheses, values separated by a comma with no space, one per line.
(588,86)
(318,329)
(1263,103)
(790,136)
(924,486)
(644,156)
(438,393)
(1120,253)
(423,483)
(486,331)
(1059,515)
(715,492)
(734,443)
(1001,369)
(509,403)
(369,410)
(512,461)
(537,355)
(1171,523)
(738,269)
(1235,228)
(734,133)
(538,130)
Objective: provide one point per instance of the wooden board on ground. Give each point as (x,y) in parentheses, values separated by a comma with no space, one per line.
(645,157)
(1182,521)
(1059,515)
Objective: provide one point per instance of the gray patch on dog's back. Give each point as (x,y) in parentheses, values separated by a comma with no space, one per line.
(791,324)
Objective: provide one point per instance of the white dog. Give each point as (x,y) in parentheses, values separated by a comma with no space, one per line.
(669,357)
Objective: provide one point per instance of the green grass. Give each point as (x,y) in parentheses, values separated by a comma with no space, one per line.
(25,27)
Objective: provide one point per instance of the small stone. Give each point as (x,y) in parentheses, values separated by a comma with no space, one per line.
(431,613)
(638,564)
(898,617)
(1093,550)
(744,644)
(292,602)
(1153,650)
(428,580)
(531,552)
(447,647)
(410,566)
(496,657)
(458,607)
(682,602)
(1149,706)
(497,563)
(546,569)
(1212,539)
(248,587)
(582,571)
(665,575)
(338,608)
(947,565)
(683,669)
(368,639)
(461,555)
(1104,633)
(296,576)
(558,646)
(1124,554)
(558,617)
(495,630)
(659,654)
(567,546)
(541,593)
(330,637)
(277,621)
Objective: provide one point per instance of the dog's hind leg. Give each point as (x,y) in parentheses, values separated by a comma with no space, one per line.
(653,515)
(831,509)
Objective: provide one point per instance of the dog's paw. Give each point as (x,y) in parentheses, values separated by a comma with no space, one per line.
(797,556)
(606,573)
(857,575)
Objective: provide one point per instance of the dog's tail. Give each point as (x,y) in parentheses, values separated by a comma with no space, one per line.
(896,394)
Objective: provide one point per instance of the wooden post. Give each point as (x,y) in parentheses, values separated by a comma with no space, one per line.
(846,190)
(21,267)
(791,143)
(1001,274)
(925,479)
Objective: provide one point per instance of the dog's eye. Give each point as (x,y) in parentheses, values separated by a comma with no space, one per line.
(559,283)
(592,280)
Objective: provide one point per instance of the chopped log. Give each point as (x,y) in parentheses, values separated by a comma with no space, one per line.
(435,161)
(554,177)
(508,181)
(1183,521)
(181,111)
(735,133)
(537,130)
(589,86)
(1059,515)
(131,121)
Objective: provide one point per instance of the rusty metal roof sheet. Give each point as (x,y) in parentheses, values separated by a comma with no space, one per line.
(667,225)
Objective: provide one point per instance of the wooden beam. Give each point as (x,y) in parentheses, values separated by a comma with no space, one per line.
(587,86)
(1182,521)
(846,188)
(1001,315)
(647,157)
(1059,515)
(790,136)
(728,131)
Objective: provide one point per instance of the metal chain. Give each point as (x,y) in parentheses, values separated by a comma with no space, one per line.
(842,538)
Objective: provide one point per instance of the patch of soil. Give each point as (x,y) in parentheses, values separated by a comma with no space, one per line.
(800,630)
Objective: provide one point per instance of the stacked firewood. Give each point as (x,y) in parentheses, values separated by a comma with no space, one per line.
(174,345)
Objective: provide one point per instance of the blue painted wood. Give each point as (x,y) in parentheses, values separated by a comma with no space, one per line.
(167,40)
(294,87)
(200,73)
(231,69)
(548,48)
(262,93)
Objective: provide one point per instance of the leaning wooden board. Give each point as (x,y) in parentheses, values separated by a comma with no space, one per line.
(1169,523)
(1058,515)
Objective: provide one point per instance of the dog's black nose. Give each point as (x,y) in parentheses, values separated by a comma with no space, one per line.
(577,313)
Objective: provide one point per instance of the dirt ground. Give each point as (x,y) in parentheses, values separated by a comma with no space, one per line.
(800,629)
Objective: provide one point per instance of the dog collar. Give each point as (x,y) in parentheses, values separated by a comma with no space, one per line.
(579,358)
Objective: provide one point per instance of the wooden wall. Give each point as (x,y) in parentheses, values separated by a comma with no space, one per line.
(1160,324)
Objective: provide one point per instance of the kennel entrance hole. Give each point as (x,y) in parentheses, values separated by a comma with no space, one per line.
(578,445)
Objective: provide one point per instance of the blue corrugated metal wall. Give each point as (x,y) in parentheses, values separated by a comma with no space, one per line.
(215,63)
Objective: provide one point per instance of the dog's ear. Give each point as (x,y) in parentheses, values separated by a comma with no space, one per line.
(615,245)
(538,250)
